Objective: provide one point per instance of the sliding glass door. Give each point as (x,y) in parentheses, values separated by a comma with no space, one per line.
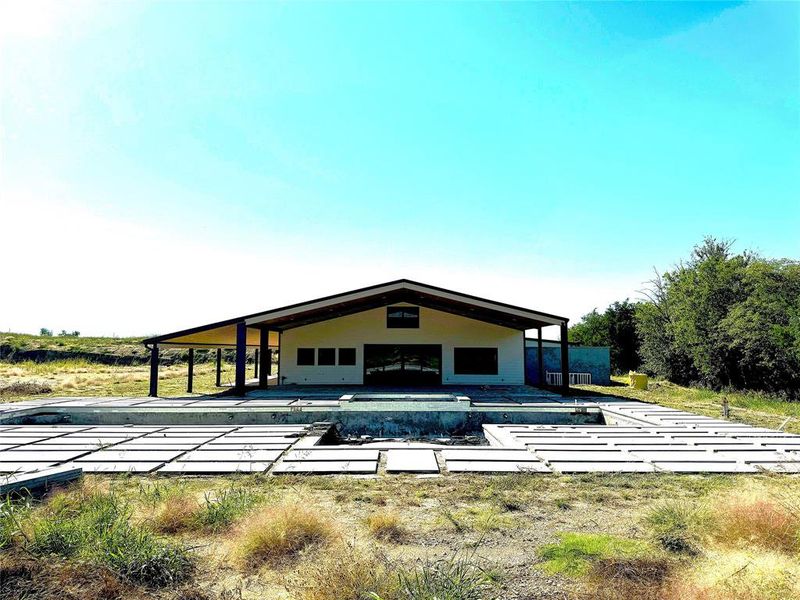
(402,364)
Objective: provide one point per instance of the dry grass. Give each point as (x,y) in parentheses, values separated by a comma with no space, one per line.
(345,572)
(738,575)
(22,577)
(279,532)
(386,525)
(755,518)
(24,388)
(176,513)
(623,578)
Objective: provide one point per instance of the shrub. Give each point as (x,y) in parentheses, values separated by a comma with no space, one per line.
(386,525)
(574,554)
(346,572)
(457,578)
(280,531)
(675,526)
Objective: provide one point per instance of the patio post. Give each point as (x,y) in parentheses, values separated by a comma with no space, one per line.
(219,366)
(154,371)
(241,357)
(540,359)
(190,377)
(266,359)
(255,365)
(564,358)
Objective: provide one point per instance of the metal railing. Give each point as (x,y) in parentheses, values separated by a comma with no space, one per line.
(554,378)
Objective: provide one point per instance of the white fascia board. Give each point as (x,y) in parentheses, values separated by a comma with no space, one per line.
(397,286)
(277,314)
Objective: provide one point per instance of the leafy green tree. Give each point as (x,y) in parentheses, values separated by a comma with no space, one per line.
(616,328)
(44,332)
(724,320)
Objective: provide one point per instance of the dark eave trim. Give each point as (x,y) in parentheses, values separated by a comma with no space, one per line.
(160,338)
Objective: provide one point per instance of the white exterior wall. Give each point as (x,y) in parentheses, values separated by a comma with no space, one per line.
(369,327)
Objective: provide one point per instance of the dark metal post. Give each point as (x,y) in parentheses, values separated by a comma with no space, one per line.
(255,365)
(540,358)
(241,357)
(564,358)
(219,366)
(190,378)
(266,359)
(154,370)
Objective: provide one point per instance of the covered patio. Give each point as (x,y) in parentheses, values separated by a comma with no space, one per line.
(259,334)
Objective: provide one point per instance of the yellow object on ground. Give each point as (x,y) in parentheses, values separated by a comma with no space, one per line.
(638,381)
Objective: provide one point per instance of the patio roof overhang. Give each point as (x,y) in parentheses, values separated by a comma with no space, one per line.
(223,333)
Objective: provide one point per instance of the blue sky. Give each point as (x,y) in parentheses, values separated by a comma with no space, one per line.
(168,164)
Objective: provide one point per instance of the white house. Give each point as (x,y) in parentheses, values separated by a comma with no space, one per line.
(400,333)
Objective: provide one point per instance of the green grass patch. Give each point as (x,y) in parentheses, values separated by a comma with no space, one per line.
(574,553)
(97,529)
(221,509)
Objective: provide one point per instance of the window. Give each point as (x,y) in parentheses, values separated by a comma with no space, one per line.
(326,356)
(347,356)
(402,317)
(305,357)
(475,361)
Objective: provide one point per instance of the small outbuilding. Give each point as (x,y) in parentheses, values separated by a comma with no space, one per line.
(401,333)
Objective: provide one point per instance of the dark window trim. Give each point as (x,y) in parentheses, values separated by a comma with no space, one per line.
(462,371)
(404,322)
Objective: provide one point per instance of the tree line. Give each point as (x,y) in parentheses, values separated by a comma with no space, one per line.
(719,319)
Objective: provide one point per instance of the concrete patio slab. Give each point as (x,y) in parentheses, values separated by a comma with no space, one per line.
(339,454)
(231,456)
(327,467)
(119,467)
(203,468)
(411,461)
(486,466)
(601,467)
(24,467)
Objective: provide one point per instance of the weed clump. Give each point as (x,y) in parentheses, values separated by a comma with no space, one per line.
(279,532)
(676,526)
(97,529)
(176,513)
(459,578)
(346,572)
(221,510)
(386,525)
(622,578)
